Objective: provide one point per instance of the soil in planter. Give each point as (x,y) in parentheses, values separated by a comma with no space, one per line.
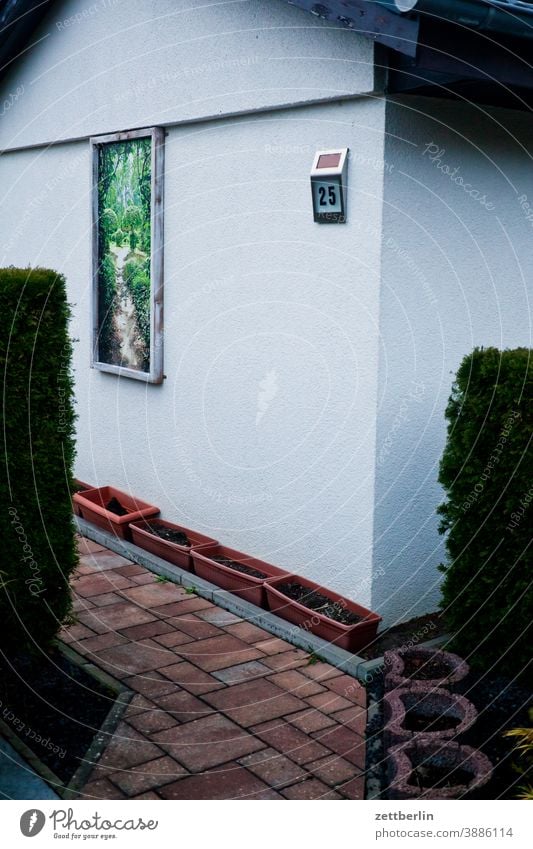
(168,534)
(416,721)
(239,567)
(114,506)
(430,776)
(318,603)
(54,707)
(411,633)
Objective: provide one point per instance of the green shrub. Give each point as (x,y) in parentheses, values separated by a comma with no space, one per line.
(485,470)
(36,457)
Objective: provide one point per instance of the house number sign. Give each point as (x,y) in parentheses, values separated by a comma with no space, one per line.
(328,186)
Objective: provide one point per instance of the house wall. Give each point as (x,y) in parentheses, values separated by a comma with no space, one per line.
(112,65)
(456,273)
(262,306)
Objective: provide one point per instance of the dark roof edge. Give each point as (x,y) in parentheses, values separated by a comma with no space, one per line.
(507,17)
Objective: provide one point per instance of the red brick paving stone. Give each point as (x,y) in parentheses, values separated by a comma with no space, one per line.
(101,641)
(173,637)
(354,789)
(296,683)
(348,688)
(254,702)
(183,706)
(272,768)
(332,770)
(217,652)
(329,702)
(190,624)
(191,678)
(242,672)
(248,632)
(115,616)
(138,704)
(288,660)
(231,781)
(103,560)
(99,583)
(85,570)
(155,595)
(130,571)
(353,718)
(102,789)
(147,629)
(272,646)
(207,742)
(149,795)
(105,599)
(150,685)
(310,720)
(320,671)
(150,721)
(141,580)
(220,617)
(127,748)
(311,789)
(79,604)
(75,633)
(148,776)
(290,741)
(87,546)
(344,742)
(191,604)
(141,657)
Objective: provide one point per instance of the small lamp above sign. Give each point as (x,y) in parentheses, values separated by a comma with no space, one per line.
(328,186)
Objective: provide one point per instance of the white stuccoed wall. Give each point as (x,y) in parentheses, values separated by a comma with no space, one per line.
(464,280)
(110,65)
(252,286)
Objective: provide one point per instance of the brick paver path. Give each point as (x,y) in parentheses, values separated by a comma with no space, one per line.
(222,709)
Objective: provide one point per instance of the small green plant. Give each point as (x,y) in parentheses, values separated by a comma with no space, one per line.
(524,748)
(314,658)
(190,590)
(162,580)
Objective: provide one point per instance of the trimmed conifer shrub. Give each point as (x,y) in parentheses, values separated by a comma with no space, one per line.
(36,458)
(486,473)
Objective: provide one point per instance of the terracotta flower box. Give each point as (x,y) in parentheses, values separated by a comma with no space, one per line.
(143,534)
(435,667)
(352,637)
(79,486)
(243,584)
(435,769)
(422,709)
(92,506)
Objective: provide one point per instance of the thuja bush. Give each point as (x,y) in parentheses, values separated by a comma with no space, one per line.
(486,473)
(36,456)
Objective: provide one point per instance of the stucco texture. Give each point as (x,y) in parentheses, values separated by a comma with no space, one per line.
(457,254)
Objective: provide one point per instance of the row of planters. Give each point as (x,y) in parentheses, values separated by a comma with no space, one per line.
(292,597)
(424,721)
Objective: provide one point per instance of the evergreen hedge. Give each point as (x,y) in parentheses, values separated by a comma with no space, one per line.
(36,456)
(486,472)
